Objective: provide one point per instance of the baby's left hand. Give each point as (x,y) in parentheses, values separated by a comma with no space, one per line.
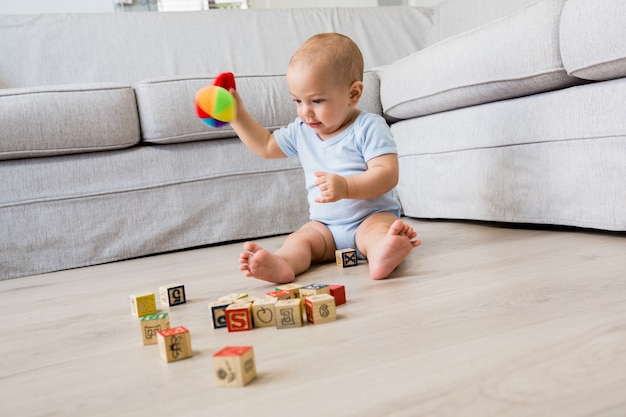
(332,187)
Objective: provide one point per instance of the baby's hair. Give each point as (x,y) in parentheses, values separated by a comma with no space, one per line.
(336,52)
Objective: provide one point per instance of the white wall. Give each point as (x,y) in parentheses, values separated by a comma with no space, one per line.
(55,6)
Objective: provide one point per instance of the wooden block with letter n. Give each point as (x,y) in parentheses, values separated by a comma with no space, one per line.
(143,304)
(288,313)
(234,366)
(320,308)
(346,258)
(239,317)
(174,344)
(150,326)
(172,295)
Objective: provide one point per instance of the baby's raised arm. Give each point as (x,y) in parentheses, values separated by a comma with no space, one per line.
(257,138)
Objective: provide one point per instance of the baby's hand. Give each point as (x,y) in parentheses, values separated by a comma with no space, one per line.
(332,187)
(238,100)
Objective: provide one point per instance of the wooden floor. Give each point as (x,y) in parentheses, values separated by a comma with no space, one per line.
(479,321)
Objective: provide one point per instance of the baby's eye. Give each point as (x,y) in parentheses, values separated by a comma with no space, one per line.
(297,101)
(318,101)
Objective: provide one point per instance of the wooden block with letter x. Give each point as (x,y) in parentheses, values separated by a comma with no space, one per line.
(143,304)
(346,258)
(234,366)
(174,344)
(172,295)
(150,326)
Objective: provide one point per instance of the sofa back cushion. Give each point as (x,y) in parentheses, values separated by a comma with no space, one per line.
(54,120)
(514,56)
(167,113)
(592,39)
(130,47)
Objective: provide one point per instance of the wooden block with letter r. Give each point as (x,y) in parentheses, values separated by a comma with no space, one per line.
(172,295)
(234,366)
(346,258)
(320,308)
(143,304)
(174,344)
(150,326)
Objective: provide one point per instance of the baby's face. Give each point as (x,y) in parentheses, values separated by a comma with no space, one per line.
(322,104)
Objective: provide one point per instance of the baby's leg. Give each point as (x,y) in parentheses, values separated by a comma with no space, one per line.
(386,241)
(313,243)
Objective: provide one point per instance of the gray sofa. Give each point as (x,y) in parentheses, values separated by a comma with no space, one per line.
(102,157)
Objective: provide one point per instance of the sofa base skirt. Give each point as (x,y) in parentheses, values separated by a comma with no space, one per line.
(555,159)
(173,197)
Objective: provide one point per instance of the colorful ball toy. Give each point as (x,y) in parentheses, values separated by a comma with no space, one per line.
(215,105)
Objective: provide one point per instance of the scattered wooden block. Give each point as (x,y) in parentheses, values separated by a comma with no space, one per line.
(143,304)
(346,258)
(281,295)
(234,366)
(172,295)
(174,344)
(294,289)
(320,308)
(239,317)
(339,292)
(314,289)
(264,312)
(288,313)
(218,313)
(233,297)
(150,326)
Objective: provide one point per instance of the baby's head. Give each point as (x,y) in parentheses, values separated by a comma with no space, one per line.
(335,54)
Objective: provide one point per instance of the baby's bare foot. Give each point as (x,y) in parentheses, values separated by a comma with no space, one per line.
(258,263)
(392,250)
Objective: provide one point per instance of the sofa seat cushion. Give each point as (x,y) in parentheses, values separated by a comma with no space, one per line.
(515,56)
(551,158)
(592,38)
(67,119)
(167,112)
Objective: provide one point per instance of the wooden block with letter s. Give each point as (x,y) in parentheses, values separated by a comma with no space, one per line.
(239,317)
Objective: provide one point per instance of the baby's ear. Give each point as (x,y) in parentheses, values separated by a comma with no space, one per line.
(356,91)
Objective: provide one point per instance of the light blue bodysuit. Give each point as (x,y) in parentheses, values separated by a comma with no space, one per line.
(345,154)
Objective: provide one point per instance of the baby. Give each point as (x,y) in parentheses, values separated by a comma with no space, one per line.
(350,163)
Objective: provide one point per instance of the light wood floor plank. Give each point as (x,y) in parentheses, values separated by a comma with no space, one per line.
(479,321)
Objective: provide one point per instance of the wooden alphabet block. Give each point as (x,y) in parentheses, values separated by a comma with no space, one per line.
(320,308)
(314,289)
(150,326)
(346,258)
(232,297)
(281,295)
(288,313)
(172,295)
(239,317)
(339,292)
(234,366)
(143,304)
(264,312)
(294,289)
(218,313)
(174,344)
